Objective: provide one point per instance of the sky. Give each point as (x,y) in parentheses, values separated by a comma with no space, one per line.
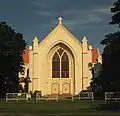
(88,18)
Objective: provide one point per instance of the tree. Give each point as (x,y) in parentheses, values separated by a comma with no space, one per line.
(12,46)
(26,81)
(109,78)
(95,71)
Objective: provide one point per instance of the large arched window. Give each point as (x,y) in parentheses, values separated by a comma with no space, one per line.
(60,64)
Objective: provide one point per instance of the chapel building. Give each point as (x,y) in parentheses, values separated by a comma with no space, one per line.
(60,62)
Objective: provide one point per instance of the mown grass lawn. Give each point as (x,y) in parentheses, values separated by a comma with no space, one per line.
(53,108)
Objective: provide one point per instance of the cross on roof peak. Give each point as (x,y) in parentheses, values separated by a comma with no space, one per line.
(60,20)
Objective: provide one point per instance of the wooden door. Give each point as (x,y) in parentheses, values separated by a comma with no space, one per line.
(55,88)
(66,88)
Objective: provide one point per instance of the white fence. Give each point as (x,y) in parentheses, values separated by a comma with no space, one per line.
(109,96)
(38,97)
(56,97)
(112,96)
(86,96)
(47,97)
(18,96)
(53,97)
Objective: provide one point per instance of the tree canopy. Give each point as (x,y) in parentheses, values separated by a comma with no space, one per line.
(109,78)
(12,46)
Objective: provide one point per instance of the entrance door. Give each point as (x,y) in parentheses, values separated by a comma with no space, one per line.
(55,88)
(66,88)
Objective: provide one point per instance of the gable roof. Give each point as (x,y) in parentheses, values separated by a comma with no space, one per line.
(65,29)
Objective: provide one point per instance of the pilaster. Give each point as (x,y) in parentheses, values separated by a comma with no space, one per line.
(85,64)
(30,67)
(35,64)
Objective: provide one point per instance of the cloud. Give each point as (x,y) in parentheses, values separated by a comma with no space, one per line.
(103,11)
(44,3)
(40,4)
(73,17)
(49,24)
(84,19)
(85,22)
(87,19)
(90,18)
(44,13)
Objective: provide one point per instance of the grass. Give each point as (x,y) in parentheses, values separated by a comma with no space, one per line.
(53,108)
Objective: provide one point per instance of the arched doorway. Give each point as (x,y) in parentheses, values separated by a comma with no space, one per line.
(66,88)
(55,88)
(61,68)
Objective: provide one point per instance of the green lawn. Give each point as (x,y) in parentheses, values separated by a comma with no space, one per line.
(53,108)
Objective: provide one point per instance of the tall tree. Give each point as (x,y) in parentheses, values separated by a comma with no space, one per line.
(12,46)
(109,79)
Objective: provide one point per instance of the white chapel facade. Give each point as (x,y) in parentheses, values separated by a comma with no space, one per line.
(60,63)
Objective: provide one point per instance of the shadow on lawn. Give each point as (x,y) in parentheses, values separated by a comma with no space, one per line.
(7,110)
(111,106)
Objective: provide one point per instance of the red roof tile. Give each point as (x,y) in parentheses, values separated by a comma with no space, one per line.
(26,56)
(95,55)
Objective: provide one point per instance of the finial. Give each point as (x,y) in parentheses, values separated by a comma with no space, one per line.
(35,39)
(60,20)
(84,39)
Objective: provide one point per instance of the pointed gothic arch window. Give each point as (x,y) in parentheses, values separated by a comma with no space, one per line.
(60,51)
(64,66)
(56,66)
(60,64)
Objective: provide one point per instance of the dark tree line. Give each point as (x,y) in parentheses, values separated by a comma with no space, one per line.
(109,78)
(12,46)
